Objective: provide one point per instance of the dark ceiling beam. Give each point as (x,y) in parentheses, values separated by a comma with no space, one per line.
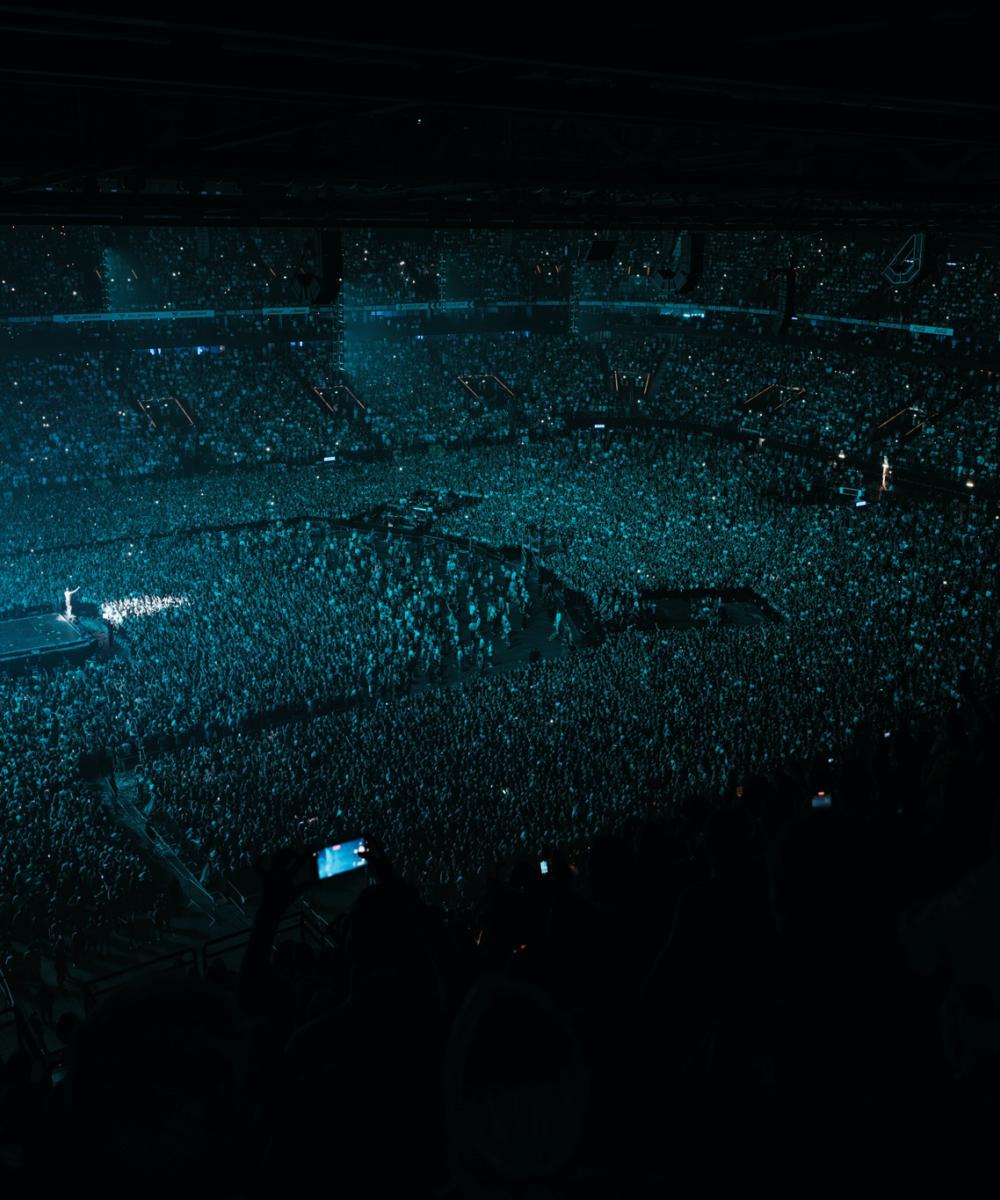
(397,151)
(741,114)
(177,61)
(555,49)
(504,209)
(325,126)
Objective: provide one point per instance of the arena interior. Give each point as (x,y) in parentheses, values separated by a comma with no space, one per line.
(566,467)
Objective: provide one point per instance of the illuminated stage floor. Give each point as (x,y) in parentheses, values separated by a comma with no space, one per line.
(27,638)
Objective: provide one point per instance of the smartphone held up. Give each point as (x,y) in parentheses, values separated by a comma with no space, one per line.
(339,859)
(322,863)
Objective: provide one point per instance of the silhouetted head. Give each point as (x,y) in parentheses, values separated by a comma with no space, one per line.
(517,1089)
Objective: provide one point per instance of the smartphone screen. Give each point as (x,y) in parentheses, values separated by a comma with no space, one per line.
(543,866)
(822,800)
(340,858)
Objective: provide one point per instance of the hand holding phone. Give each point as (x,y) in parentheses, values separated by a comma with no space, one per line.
(379,863)
(340,858)
(281,878)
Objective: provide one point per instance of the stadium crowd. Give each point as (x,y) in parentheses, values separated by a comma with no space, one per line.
(177,410)
(49,270)
(885,610)
(459,389)
(261,623)
(177,268)
(839,401)
(757,838)
(744,962)
(160,412)
(871,629)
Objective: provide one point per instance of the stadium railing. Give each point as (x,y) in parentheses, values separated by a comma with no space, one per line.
(305,925)
(309,929)
(94,990)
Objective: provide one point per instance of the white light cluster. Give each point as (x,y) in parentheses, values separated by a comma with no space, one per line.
(116,611)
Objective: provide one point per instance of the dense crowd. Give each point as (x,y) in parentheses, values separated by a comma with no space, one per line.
(149,269)
(292,682)
(756,838)
(838,400)
(236,404)
(765,957)
(74,269)
(167,410)
(261,623)
(633,360)
(481,265)
(49,270)
(281,678)
(459,389)
(956,288)
(837,284)
(885,610)
(175,410)
(735,275)
(64,422)
(875,626)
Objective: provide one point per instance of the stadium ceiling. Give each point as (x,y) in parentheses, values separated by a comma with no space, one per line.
(696,121)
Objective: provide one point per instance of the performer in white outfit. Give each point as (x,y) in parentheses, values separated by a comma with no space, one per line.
(69,603)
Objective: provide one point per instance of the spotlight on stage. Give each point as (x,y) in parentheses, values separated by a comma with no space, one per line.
(115,612)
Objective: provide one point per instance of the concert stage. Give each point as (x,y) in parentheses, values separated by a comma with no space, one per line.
(43,636)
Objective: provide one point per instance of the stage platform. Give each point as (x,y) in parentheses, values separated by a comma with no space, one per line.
(41,636)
